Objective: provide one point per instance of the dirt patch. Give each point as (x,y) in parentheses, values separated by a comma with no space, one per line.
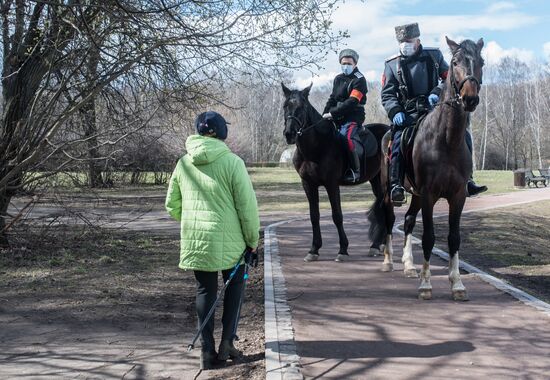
(92,280)
(510,243)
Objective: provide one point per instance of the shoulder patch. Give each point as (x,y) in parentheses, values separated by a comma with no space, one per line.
(358,74)
(393,57)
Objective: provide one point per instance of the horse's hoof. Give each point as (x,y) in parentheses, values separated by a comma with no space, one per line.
(341,258)
(387,267)
(311,257)
(425,294)
(411,273)
(460,295)
(373,252)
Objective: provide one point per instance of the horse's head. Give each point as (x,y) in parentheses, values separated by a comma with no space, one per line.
(466,71)
(295,111)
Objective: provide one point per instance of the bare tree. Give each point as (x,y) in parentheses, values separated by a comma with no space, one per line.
(58,55)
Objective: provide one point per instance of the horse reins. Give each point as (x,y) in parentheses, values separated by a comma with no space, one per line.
(302,130)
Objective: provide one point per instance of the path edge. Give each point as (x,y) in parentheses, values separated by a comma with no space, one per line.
(281,360)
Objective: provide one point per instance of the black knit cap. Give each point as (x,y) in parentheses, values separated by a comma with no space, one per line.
(211,122)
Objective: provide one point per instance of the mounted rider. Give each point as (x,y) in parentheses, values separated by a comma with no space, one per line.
(411,86)
(346,106)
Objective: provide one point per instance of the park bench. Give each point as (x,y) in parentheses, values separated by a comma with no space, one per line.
(531,178)
(545,173)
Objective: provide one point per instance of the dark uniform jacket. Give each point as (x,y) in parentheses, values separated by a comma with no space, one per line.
(406,79)
(348,97)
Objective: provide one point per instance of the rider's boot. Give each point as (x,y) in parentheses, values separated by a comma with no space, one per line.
(353,174)
(472,189)
(397,191)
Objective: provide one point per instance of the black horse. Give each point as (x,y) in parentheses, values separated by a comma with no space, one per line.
(320,160)
(441,164)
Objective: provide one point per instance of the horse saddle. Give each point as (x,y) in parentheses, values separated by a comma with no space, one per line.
(366,146)
(368,142)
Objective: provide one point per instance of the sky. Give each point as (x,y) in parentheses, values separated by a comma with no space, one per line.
(519,28)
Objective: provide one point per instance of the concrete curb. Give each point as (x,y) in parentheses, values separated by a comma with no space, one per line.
(281,360)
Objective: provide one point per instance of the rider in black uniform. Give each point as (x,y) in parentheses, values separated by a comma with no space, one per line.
(346,106)
(411,86)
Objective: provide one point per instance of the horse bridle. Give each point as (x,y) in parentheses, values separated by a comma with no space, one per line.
(302,130)
(457,98)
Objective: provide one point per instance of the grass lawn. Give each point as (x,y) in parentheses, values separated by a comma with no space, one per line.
(510,243)
(280,189)
(498,181)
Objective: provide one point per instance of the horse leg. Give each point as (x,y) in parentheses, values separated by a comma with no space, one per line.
(410,221)
(312,193)
(428,241)
(455,211)
(333,191)
(387,264)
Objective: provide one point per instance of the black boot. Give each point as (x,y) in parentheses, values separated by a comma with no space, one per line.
(472,189)
(397,191)
(353,174)
(227,350)
(209,360)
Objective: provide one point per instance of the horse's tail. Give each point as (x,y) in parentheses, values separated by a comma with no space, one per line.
(377,214)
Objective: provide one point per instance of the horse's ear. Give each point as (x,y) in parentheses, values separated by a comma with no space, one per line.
(452,45)
(306,90)
(480,44)
(286,90)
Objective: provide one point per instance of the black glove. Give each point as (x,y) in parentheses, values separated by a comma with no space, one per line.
(251,258)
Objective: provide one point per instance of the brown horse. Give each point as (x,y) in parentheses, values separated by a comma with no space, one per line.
(320,161)
(442,164)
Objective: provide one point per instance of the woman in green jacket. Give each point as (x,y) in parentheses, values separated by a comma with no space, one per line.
(210,192)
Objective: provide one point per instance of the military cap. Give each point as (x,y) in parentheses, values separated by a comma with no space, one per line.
(348,53)
(406,32)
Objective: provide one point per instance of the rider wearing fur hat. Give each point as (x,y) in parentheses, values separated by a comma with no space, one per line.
(411,86)
(346,106)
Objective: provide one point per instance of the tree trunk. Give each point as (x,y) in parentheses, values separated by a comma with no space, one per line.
(4,203)
(88,113)
(95,179)
(485,130)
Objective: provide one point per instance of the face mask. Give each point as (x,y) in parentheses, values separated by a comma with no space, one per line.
(347,69)
(407,48)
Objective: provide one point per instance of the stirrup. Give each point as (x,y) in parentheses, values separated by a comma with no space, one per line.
(351,176)
(398,201)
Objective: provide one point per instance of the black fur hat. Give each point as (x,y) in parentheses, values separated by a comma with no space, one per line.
(406,32)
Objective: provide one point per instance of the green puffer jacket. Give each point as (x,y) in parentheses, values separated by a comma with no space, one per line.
(210,192)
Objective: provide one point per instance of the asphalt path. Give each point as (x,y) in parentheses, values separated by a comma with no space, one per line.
(352,321)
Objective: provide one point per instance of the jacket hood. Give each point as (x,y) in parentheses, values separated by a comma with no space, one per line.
(204,150)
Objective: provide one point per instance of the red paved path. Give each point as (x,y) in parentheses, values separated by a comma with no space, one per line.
(355,322)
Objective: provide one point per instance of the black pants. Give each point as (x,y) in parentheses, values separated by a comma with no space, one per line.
(207,290)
